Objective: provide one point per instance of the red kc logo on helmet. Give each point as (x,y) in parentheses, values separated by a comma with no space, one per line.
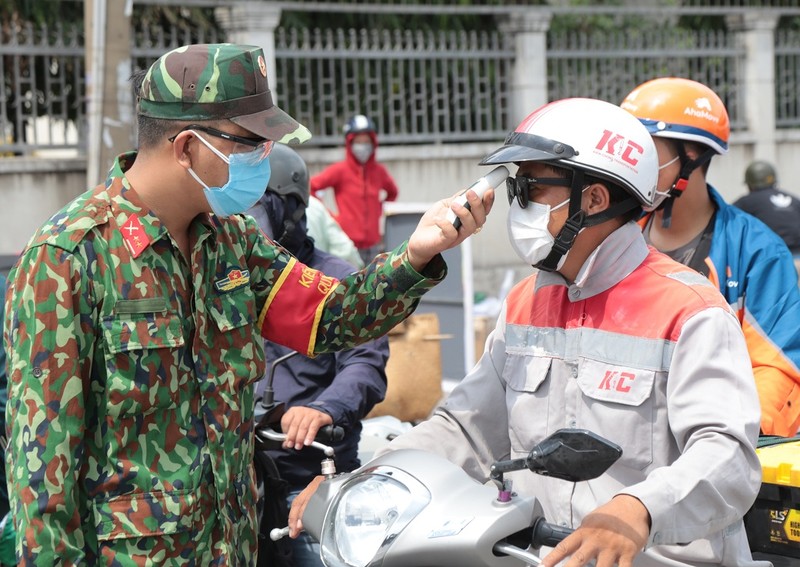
(617,145)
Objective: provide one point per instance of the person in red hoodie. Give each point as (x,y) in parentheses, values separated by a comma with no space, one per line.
(360,185)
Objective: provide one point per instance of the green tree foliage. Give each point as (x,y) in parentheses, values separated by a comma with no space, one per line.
(47,12)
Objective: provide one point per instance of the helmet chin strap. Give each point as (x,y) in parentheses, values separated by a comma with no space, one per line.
(566,236)
(682,181)
(578,219)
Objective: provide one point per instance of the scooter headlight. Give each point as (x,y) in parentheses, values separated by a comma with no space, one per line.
(367,514)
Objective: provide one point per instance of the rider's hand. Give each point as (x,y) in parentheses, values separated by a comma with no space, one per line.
(300,424)
(613,534)
(299,505)
(435,234)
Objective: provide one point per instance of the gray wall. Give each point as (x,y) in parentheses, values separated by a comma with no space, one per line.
(32,189)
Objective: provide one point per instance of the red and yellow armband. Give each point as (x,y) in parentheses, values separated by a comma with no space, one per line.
(294,307)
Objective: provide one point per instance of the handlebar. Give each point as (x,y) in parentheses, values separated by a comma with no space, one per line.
(330,434)
(269,420)
(541,533)
(546,534)
(326,434)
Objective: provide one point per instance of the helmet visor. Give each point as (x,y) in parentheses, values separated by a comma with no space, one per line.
(520,146)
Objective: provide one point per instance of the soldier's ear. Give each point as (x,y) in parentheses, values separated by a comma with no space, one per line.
(182,148)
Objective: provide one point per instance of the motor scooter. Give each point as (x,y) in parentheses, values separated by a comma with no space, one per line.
(410,508)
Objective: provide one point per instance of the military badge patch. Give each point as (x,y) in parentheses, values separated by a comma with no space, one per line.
(234,279)
(134,236)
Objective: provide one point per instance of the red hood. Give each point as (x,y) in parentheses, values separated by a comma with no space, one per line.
(348,143)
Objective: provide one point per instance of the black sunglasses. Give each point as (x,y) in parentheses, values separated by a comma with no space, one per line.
(520,187)
(251,142)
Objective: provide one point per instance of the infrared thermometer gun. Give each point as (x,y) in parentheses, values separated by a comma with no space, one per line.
(489,181)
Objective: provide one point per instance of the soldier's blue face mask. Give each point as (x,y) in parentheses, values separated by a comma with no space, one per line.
(248,175)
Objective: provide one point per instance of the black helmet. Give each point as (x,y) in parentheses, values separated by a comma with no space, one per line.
(289,173)
(760,175)
(359,123)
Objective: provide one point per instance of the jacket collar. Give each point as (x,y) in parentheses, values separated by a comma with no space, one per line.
(611,262)
(126,204)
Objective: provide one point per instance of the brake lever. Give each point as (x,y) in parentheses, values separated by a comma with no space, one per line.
(272,435)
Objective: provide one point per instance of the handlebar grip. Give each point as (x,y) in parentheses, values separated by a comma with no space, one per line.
(330,433)
(547,534)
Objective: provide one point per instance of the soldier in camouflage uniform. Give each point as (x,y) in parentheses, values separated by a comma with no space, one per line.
(132,325)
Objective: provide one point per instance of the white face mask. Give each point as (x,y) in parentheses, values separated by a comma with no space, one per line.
(362,152)
(661,195)
(527,231)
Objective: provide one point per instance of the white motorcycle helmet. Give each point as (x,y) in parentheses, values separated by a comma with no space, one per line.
(590,138)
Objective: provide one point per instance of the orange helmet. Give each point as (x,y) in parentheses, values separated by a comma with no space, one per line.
(681,109)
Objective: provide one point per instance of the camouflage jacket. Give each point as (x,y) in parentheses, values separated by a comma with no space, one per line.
(131,374)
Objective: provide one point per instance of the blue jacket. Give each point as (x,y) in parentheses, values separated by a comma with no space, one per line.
(755,272)
(346,385)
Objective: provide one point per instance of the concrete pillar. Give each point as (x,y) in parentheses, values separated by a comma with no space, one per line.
(253,22)
(109,93)
(529,74)
(755,32)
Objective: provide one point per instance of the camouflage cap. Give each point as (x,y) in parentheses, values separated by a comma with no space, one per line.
(217,81)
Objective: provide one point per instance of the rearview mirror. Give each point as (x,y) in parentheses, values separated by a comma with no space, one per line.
(568,454)
(573,455)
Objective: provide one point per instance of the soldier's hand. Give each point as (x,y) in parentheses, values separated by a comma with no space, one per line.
(435,233)
(300,424)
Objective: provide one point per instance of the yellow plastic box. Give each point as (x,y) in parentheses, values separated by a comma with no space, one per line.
(773,522)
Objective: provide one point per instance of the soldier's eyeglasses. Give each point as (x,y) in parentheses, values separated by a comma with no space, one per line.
(250,144)
(520,187)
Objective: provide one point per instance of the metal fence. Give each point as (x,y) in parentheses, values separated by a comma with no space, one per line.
(787,79)
(609,65)
(419,87)
(151,43)
(42,94)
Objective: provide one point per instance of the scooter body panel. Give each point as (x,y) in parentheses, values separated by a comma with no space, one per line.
(458,527)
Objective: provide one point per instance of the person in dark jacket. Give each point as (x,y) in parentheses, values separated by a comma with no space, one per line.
(777,209)
(338,389)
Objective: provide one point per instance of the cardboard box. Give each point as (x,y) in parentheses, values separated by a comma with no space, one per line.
(773,522)
(414,370)
(483,326)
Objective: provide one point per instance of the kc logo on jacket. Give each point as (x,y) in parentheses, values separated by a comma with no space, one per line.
(618,384)
(619,381)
